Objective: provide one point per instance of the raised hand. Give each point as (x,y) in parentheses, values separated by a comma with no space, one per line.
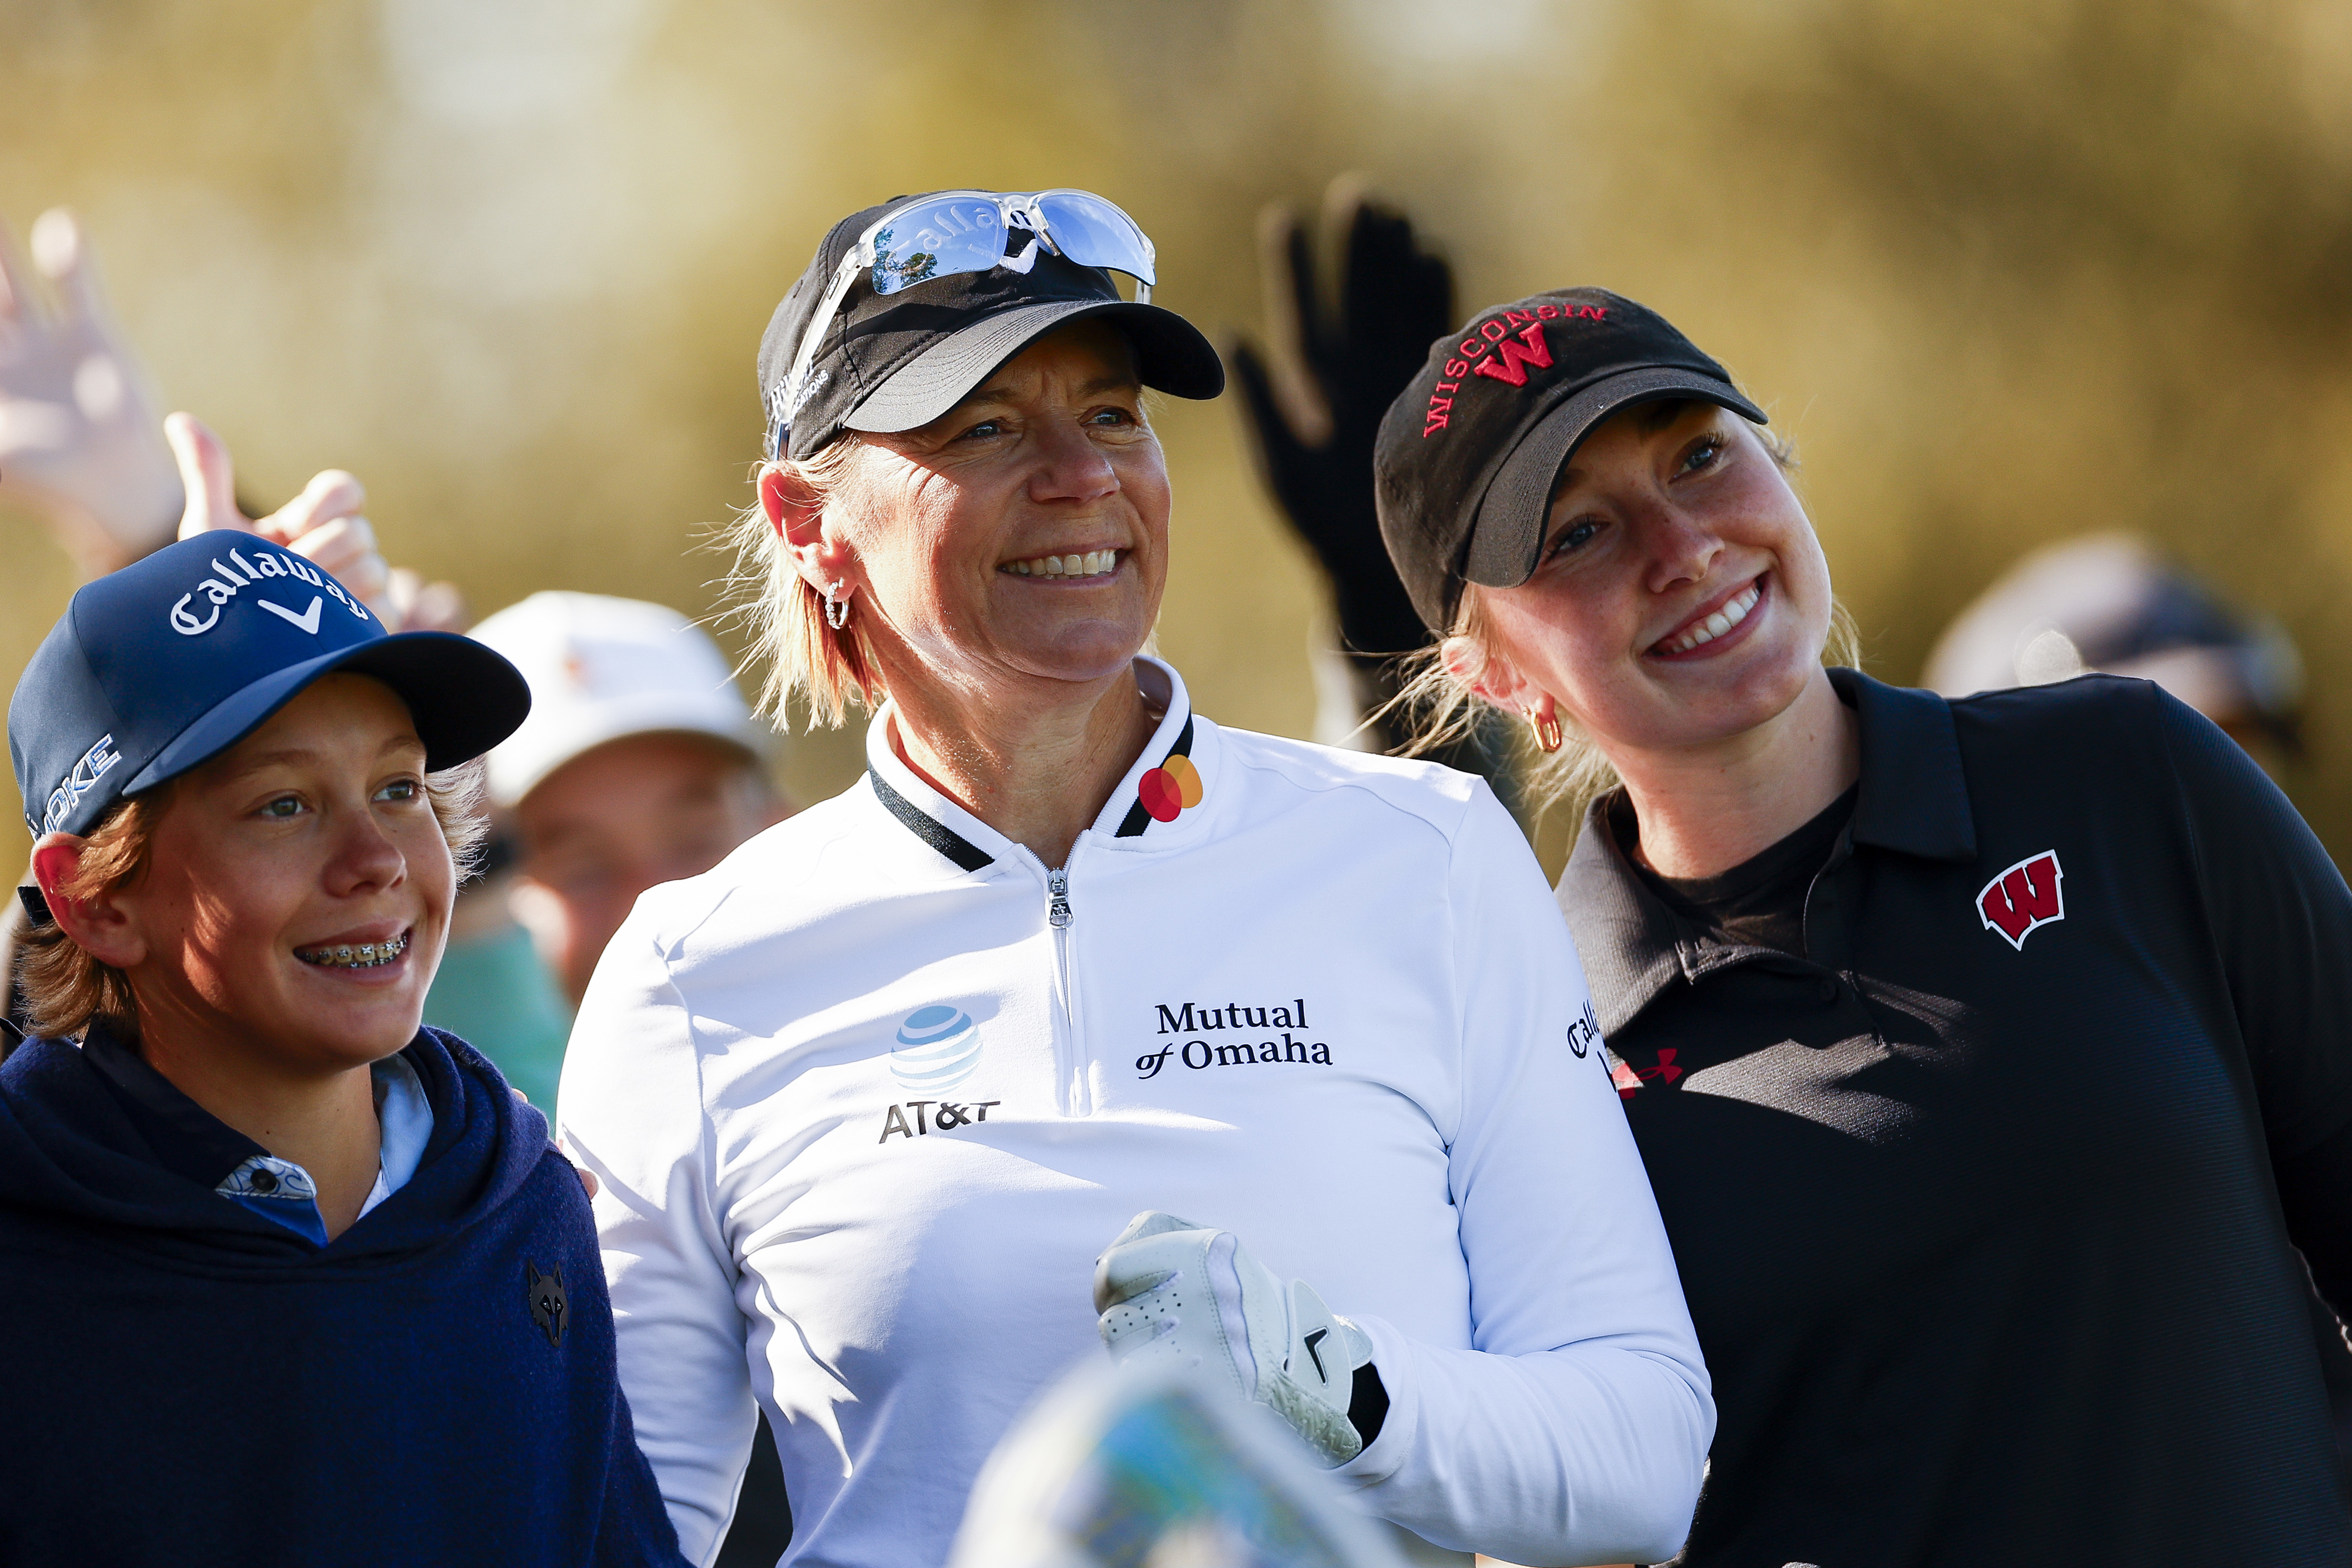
(322,524)
(80,442)
(1315,396)
(1315,399)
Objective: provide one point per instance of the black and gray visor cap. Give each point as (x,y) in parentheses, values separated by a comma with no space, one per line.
(1469,453)
(896,361)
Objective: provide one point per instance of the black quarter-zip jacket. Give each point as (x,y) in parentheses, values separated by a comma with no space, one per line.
(1986,1209)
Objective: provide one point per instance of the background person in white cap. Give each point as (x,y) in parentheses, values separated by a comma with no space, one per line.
(640,764)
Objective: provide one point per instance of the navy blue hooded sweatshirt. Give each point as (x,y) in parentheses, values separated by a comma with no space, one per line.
(187,1382)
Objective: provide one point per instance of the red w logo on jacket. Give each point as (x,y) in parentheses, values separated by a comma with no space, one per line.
(2023,898)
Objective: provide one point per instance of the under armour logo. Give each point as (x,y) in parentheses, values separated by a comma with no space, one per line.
(1627,1078)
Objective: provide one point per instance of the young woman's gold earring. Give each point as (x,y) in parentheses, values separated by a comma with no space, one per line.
(1546,728)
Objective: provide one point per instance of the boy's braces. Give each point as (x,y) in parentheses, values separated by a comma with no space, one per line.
(360,955)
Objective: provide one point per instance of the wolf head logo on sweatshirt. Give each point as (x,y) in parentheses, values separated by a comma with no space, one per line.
(548,1308)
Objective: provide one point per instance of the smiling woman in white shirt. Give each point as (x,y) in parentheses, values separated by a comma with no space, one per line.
(870,1099)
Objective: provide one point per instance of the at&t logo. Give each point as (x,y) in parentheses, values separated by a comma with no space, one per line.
(937,1048)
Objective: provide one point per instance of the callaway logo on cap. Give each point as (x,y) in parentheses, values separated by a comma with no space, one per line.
(1468,453)
(157,667)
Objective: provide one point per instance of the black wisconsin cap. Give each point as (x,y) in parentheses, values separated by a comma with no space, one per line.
(894,361)
(172,660)
(1469,452)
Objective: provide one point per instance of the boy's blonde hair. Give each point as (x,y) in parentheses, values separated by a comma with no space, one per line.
(65,988)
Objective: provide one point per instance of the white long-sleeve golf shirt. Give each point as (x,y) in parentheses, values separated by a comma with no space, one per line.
(867,1099)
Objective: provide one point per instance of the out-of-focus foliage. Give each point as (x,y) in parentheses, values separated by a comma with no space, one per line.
(2007,270)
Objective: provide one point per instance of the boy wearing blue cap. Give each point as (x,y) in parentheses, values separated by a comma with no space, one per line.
(289,1279)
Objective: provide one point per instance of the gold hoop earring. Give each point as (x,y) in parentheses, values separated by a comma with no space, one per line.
(1546,728)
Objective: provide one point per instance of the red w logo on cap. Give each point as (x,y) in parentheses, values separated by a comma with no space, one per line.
(1510,363)
(2024,897)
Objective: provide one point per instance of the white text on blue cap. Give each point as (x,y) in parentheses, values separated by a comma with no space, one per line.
(273,564)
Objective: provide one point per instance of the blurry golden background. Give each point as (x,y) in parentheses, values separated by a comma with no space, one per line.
(2007,270)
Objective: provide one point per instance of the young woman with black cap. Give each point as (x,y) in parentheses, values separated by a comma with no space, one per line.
(287,1277)
(872,1102)
(1992,1058)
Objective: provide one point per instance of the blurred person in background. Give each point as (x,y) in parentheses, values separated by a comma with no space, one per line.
(2111,604)
(868,1101)
(82,447)
(492,989)
(640,764)
(1992,1058)
(81,433)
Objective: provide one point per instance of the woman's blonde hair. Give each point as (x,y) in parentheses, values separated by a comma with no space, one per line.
(65,988)
(829,669)
(1435,704)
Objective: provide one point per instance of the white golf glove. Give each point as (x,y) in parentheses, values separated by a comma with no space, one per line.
(1170,1288)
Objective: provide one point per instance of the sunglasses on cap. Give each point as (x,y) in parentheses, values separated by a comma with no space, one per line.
(967,231)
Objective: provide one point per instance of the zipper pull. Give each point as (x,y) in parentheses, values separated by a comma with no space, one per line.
(1057,912)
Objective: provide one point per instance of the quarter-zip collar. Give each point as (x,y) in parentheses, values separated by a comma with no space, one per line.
(1147,808)
(1914,801)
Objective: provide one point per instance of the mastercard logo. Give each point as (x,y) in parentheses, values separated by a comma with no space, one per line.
(1170,787)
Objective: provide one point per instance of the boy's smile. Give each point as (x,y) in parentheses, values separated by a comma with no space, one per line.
(298,890)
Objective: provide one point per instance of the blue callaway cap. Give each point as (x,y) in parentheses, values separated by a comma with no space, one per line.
(174,659)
